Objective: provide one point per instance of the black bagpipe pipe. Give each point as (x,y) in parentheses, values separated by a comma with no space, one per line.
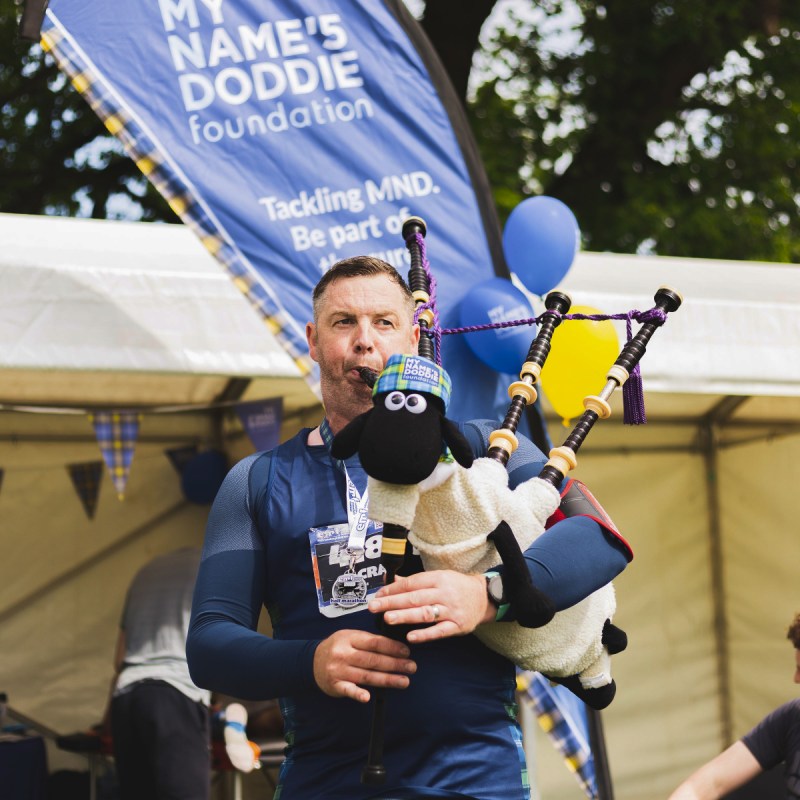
(503,441)
(393,547)
(394,536)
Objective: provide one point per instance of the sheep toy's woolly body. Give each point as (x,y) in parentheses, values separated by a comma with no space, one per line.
(453,500)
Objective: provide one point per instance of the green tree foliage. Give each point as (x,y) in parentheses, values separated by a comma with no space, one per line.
(667,127)
(55,155)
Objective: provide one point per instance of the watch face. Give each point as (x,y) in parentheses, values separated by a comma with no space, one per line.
(495,589)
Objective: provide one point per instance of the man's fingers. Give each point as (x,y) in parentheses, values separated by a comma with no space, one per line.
(357,693)
(429,613)
(409,584)
(352,681)
(349,660)
(433,632)
(381,645)
(373,654)
(377,663)
(432,598)
(409,598)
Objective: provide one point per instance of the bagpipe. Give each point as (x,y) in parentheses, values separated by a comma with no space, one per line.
(532,608)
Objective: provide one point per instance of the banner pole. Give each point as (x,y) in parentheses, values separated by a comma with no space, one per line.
(597,742)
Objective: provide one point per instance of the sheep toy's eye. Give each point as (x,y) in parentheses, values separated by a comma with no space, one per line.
(416,403)
(395,401)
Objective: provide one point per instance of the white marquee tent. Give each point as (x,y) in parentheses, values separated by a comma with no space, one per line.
(125,315)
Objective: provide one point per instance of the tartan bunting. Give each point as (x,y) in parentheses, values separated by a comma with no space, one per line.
(116,433)
(562,730)
(86,478)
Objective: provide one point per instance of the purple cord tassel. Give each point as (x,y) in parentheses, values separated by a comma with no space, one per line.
(632,392)
(633,399)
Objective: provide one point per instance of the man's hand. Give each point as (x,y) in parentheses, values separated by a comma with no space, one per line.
(348,660)
(456,603)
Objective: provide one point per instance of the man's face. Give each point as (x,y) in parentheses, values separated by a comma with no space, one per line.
(360,323)
(797,668)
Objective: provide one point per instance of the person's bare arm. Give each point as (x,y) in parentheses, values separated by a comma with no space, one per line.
(728,771)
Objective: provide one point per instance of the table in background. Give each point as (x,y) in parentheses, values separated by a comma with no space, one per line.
(23,767)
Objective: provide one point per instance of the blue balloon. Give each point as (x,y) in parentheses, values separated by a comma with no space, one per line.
(498,300)
(540,239)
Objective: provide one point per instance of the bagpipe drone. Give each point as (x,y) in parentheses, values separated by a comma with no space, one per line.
(461,514)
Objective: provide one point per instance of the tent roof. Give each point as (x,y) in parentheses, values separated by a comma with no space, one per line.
(85,302)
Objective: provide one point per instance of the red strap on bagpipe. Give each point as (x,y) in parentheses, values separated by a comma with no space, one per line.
(578,501)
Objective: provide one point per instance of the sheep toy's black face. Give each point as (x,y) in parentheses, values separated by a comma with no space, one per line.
(402,438)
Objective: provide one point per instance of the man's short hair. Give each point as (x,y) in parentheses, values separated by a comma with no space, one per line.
(793,634)
(359,267)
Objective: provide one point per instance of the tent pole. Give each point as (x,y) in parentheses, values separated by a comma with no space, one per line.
(709,437)
(597,741)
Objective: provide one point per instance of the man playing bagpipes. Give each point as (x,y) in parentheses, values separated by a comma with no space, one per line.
(289,530)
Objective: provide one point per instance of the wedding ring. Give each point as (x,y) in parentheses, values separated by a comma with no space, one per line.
(435,610)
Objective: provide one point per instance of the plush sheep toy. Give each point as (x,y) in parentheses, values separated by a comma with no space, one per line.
(463,516)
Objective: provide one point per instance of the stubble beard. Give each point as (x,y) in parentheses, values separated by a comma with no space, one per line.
(343,398)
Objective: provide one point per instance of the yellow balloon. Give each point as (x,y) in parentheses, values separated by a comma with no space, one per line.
(582,352)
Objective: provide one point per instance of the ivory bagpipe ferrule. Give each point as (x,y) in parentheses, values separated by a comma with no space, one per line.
(503,441)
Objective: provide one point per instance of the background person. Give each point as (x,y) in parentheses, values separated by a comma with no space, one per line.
(775,740)
(159,718)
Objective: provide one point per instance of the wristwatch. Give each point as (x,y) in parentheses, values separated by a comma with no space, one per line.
(496,592)
(495,589)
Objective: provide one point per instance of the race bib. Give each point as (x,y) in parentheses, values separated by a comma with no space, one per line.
(345,577)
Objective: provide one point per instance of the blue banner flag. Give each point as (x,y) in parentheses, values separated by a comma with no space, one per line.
(289,135)
(261,420)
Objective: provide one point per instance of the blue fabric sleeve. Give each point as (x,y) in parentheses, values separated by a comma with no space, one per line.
(226,606)
(573,558)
